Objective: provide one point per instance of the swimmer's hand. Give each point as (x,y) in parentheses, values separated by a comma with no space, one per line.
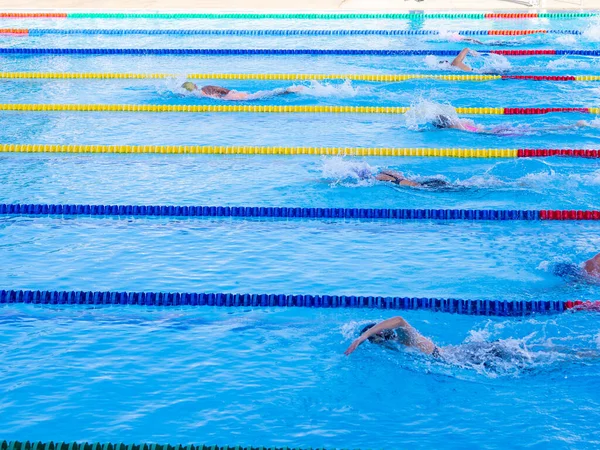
(474,53)
(354,345)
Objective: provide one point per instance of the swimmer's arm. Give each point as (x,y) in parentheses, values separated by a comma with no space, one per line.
(389,324)
(459,60)
(404,182)
(236,95)
(592,266)
(410,183)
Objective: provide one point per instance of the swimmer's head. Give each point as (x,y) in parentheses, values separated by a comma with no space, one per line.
(442,121)
(444,62)
(382,336)
(189,86)
(215,91)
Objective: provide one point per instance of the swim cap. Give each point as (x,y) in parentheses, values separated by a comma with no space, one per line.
(442,121)
(435,183)
(189,86)
(385,335)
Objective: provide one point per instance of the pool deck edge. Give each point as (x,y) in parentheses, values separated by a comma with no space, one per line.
(304,5)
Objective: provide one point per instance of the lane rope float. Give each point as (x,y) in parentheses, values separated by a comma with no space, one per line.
(166,299)
(330,16)
(277,51)
(293,76)
(316,109)
(320,151)
(273,32)
(17,209)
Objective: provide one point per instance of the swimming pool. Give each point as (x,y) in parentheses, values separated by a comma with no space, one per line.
(277,376)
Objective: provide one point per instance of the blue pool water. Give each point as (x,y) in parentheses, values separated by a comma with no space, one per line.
(279,376)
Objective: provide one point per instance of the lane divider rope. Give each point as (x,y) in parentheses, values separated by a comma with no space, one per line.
(315,109)
(17,209)
(166,299)
(320,151)
(294,76)
(275,32)
(276,51)
(409,15)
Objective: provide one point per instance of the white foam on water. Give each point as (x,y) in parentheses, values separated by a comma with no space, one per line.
(566,39)
(494,63)
(346,172)
(434,63)
(452,36)
(592,32)
(424,111)
(333,90)
(565,63)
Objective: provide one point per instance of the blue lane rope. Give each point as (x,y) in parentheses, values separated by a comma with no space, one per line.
(278,51)
(267,212)
(112,31)
(457,306)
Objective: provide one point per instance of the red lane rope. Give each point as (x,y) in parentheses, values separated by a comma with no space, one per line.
(18,31)
(579,305)
(515,32)
(548,214)
(509,111)
(540,77)
(523,52)
(33,15)
(542,152)
(511,16)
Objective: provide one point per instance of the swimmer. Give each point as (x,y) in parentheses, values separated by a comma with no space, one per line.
(221,93)
(392,176)
(491,355)
(470,40)
(457,37)
(442,121)
(459,61)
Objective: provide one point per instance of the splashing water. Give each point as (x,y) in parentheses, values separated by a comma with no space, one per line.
(594,123)
(451,36)
(173,86)
(494,63)
(425,111)
(344,90)
(432,62)
(564,63)
(566,39)
(347,172)
(592,32)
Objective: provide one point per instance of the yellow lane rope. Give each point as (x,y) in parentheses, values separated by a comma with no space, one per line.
(259,150)
(248,76)
(229,108)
